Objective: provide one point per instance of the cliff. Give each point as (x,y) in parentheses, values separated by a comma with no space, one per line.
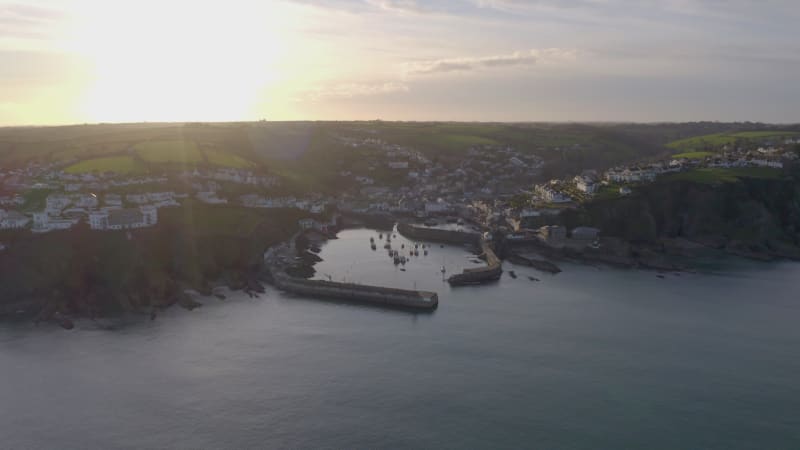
(753,217)
(87,273)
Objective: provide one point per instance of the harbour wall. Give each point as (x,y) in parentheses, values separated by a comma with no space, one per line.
(438,235)
(491,272)
(400,298)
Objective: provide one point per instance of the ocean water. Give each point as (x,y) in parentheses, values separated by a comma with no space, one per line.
(591,358)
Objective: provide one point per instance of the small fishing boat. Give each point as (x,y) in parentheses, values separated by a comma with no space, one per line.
(513,274)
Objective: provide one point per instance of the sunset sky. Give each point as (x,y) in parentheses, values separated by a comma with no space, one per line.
(75,61)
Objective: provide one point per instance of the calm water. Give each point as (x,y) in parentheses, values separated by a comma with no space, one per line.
(588,359)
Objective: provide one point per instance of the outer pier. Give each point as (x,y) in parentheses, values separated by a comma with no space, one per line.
(399,298)
(479,275)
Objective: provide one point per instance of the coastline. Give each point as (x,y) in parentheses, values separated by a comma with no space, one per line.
(666,256)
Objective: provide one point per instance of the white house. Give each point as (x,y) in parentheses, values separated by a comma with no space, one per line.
(12,220)
(398,164)
(437,207)
(550,195)
(124,219)
(56,202)
(138,199)
(43,223)
(210,197)
(307,224)
(585,184)
(767,163)
(86,201)
(113,200)
(517,162)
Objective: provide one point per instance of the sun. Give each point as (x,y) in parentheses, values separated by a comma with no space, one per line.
(180,61)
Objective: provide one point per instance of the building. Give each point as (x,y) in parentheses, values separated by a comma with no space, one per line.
(517,162)
(553,234)
(634,175)
(124,219)
(438,207)
(86,201)
(398,164)
(138,199)
(551,195)
(12,220)
(44,223)
(585,185)
(307,224)
(56,202)
(113,200)
(585,233)
(211,198)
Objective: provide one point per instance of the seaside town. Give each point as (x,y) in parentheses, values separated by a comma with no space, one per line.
(492,186)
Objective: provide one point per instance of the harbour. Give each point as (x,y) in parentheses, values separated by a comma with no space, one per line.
(570,361)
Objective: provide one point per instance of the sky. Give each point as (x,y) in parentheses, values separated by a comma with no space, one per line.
(79,61)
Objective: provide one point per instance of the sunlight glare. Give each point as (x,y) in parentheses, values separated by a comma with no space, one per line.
(180,60)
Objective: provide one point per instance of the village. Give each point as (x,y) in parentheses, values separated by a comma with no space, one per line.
(494,187)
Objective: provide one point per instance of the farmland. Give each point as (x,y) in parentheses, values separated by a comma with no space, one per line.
(117,164)
(223,159)
(723,175)
(720,139)
(177,151)
(693,155)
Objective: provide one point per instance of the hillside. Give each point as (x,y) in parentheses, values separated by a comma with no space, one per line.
(745,213)
(89,273)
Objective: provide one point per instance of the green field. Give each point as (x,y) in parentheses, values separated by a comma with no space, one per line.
(118,164)
(172,151)
(456,141)
(720,139)
(722,175)
(693,155)
(223,159)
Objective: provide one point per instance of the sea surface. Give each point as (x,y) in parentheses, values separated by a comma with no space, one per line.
(592,358)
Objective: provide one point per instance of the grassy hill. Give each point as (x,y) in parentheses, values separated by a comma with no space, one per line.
(717,140)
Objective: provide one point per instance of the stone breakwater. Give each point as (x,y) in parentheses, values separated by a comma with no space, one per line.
(491,272)
(438,235)
(398,298)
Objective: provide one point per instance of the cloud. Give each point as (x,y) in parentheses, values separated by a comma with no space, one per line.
(401,6)
(351,90)
(526,58)
(27,21)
